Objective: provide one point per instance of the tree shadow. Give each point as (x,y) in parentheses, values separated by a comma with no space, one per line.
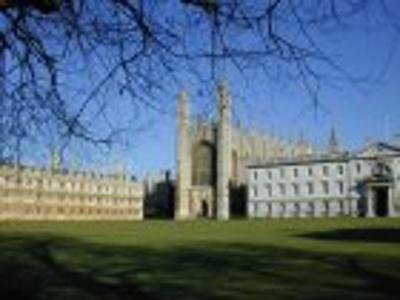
(376,235)
(51,267)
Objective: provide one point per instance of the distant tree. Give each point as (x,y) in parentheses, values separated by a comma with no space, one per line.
(137,46)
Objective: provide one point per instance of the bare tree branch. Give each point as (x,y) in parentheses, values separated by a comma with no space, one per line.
(51,49)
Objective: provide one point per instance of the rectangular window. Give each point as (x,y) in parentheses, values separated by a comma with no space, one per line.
(325,170)
(310,171)
(282,189)
(282,172)
(310,188)
(358,168)
(295,189)
(340,186)
(325,187)
(295,172)
(340,169)
(255,191)
(268,190)
(255,175)
(269,174)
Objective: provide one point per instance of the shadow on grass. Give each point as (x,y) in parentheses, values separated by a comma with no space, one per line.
(378,235)
(51,267)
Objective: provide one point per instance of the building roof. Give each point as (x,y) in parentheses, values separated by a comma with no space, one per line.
(302,160)
(371,151)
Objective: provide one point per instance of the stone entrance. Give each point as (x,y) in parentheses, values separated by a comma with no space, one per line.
(204,209)
(380,191)
(201,202)
(381,198)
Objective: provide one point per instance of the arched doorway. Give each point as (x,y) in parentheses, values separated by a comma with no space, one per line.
(204,209)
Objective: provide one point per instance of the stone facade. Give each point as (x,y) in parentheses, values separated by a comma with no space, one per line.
(28,193)
(366,183)
(212,157)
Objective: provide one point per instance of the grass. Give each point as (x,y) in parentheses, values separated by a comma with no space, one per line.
(280,259)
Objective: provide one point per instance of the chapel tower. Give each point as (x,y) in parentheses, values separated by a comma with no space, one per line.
(223,152)
(183,159)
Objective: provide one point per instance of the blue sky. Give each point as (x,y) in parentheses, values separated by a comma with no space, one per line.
(366,109)
(359,111)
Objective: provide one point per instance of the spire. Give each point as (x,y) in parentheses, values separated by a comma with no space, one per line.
(333,144)
(183,104)
(55,163)
(223,95)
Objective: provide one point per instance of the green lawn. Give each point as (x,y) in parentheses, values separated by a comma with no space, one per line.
(281,259)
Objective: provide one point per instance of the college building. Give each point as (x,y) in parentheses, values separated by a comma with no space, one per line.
(32,193)
(365,183)
(212,156)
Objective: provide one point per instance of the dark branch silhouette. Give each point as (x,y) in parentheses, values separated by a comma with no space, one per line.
(60,58)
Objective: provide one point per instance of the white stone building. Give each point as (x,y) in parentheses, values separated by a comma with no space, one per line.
(366,183)
(31,193)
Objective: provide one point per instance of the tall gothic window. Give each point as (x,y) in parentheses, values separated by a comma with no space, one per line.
(204,164)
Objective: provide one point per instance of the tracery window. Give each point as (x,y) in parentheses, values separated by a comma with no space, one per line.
(204,164)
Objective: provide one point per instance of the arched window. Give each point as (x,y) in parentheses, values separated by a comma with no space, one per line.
(203,164)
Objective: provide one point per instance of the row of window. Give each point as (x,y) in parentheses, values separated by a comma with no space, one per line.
(51,184)
(325,170)
(283,189)
(84,175)
(305,209)
(70,211)
(306,205)
(78,200)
